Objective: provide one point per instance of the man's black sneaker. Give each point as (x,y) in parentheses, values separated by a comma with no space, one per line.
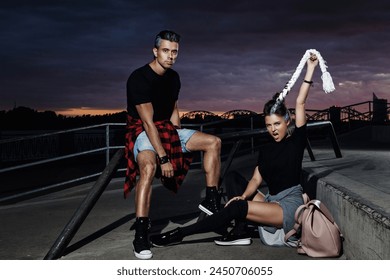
(141,249)
(211,204)
(234,239)
(141,245)
(168,238)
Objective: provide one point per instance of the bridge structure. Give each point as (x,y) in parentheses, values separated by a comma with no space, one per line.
(364,111)
(376,111)
(207,115)
(200,114)
(238,113)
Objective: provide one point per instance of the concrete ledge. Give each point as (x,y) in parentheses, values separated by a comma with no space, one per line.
(381,134)
(365,226)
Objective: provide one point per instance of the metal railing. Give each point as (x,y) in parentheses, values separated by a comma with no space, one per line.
(214,125)
(69,231)
(327,124)
(249,134)
(362,111)
(106,149)
(32,144)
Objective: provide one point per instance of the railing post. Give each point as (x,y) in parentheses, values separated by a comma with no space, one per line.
(310,150)
(335,143)
(107,144)
(252,140)
(201,154)
(369,110)
(59,246)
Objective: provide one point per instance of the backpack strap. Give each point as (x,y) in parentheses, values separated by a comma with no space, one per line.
(305,198)
(290,233)
(298,221)
(323,209)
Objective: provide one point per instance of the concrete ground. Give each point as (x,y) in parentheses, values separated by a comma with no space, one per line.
(31,227)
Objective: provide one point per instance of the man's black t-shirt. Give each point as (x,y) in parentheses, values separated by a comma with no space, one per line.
(146,86)
(280,163)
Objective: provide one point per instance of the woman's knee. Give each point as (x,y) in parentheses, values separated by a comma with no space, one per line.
(238,209)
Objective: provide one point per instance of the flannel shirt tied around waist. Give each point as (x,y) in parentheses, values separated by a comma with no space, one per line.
(172,146)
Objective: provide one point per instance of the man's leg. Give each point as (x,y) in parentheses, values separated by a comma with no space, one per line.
(211,147)
(147,166)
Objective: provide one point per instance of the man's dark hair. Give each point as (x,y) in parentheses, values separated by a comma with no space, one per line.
(166,35)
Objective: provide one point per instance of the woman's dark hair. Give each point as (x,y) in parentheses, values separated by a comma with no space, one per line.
(281,110)
(166,35)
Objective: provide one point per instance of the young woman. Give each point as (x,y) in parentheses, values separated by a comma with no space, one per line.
(279,164)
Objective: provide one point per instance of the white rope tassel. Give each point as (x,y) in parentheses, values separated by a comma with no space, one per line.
(327,82)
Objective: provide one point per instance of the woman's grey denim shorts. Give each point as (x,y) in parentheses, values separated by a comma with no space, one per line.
(289,199)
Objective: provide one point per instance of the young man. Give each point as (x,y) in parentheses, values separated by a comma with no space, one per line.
(156,143)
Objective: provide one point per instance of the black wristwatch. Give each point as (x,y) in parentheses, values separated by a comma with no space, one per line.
(163,160)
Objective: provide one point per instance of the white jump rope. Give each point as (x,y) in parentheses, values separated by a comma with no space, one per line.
(327,83)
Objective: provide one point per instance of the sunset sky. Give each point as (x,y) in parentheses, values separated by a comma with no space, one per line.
(74,57)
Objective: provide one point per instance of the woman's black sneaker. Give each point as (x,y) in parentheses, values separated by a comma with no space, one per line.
(168,238)
(233,238)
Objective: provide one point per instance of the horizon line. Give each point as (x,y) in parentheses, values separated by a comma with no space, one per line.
(75,112)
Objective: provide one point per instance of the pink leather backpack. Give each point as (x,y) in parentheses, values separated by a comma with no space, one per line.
(319,234)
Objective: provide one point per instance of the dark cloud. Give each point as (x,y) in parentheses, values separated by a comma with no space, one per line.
(68,54)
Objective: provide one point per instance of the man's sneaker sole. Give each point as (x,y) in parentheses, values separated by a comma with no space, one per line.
(143,255)
(243,241)
(204,209)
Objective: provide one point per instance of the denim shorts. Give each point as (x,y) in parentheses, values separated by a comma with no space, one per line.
(142,142)
(289,199)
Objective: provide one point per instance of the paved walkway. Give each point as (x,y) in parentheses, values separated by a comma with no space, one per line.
(31,227)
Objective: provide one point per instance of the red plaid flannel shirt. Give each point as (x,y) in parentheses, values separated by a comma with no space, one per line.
(172,146)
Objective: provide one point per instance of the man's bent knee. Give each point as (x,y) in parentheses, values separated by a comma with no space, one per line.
(147,164)
(218,142)
(148,169)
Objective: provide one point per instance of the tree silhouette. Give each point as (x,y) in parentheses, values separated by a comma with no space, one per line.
(24,118)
